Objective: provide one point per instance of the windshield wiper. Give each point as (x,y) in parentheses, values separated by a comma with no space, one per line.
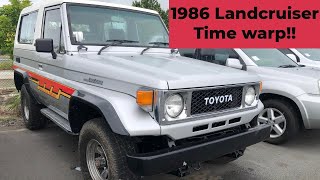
(115,42)
(287,66)
(156,44)
(144,50)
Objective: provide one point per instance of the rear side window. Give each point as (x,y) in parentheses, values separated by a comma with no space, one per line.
(27,28)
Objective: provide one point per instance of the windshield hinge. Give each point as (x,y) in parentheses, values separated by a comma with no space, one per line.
(82,47)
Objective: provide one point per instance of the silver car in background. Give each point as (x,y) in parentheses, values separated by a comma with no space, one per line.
(306,57)
(291,93)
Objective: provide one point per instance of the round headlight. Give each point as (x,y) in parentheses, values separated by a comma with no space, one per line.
(250,96)
(174,105)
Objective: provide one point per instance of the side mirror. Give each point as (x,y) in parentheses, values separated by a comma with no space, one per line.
(45,45)
(234,63)
(292,57)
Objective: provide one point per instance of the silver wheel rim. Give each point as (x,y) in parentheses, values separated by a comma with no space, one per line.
(97,161)
(276,119)
(26,110)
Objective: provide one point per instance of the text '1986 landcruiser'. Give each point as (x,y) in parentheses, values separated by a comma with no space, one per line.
(105,72)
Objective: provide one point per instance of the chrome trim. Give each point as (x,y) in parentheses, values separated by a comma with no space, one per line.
(159,110)
(183,102)
(207,116)
(215,87)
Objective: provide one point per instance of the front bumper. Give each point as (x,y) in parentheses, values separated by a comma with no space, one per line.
(185,129)
(309,107)
(169,160)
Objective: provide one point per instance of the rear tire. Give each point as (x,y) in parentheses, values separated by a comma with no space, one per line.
(32,117)
(289,125)
(96,134)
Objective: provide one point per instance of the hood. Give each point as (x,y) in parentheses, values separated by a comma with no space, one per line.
(310,63)
(298,72)
(160,71)
(303,77)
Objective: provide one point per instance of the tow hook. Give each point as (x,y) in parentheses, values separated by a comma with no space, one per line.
(237,154)
(197,166)
(183,171)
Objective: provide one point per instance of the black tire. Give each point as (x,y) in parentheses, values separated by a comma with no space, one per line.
(114,146)
(291,116)
(33,119)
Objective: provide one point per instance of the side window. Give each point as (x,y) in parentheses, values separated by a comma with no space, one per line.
(27,28)
(285,51)
(53,29)
(226,53)
(217,56)
(187,52)
(288,51)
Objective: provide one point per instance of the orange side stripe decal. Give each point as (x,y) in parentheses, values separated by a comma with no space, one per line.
(50,87)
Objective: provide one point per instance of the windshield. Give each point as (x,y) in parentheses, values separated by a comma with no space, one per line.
(100,25)
(313,54)
(269,57)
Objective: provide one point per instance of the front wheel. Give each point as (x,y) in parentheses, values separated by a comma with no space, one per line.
(283,120)
(103,153)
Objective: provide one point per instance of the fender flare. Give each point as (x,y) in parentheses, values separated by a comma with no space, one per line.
(22,78)
(103,106)
(295,92)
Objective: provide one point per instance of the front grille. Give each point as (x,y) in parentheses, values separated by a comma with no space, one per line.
(212,100)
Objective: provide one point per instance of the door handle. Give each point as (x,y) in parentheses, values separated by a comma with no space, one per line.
(40,67)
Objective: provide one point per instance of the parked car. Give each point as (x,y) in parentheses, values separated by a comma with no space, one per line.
(97,70)
(291,93)
(306,57)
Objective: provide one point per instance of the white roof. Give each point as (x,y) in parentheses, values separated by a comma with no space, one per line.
(48,3)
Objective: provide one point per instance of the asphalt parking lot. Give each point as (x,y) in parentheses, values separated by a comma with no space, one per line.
(52,154)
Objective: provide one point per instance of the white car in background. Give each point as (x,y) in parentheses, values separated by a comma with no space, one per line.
(307,57)
(291,92)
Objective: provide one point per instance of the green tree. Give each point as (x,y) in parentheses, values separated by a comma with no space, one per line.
(9,17)
(154,5)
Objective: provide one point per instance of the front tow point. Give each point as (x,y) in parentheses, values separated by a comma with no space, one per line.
(183,171)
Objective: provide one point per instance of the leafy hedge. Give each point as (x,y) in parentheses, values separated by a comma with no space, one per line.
(6,65)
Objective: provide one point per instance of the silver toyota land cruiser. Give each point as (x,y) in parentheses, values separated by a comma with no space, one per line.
(105,72)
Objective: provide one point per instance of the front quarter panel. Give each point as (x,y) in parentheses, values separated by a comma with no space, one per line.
(121,112)
(281,88)
(288,91)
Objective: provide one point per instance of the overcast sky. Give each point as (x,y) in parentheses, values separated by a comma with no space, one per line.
(164,3)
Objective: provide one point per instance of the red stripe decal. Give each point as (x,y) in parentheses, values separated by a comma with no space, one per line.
(47,83)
